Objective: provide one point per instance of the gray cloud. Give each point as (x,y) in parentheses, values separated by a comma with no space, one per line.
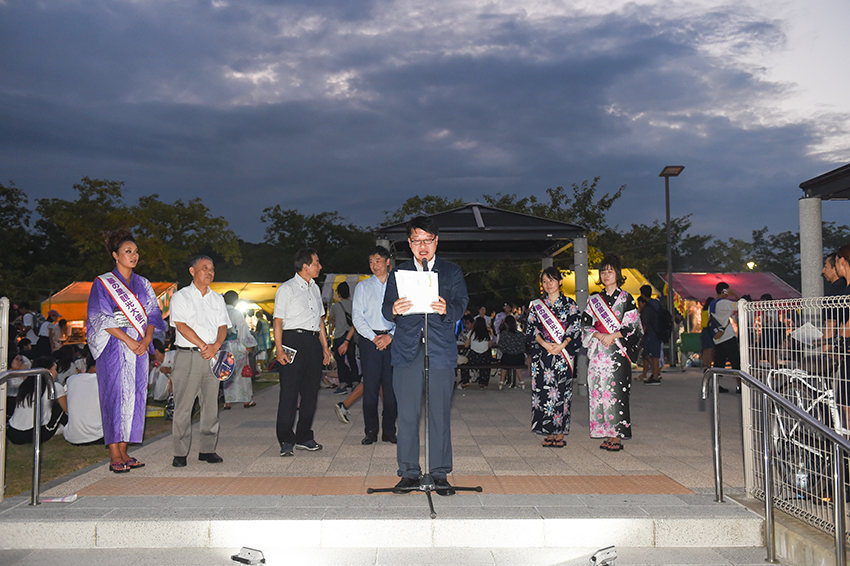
(357,106)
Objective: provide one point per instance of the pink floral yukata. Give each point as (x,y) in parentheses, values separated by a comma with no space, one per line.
(609,371)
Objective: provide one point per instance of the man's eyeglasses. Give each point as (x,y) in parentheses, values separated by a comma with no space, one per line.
(423,242)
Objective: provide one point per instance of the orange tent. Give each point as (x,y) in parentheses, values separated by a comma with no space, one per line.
(71,302)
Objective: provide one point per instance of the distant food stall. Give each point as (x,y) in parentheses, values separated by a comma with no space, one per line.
(690,290)
(72,301)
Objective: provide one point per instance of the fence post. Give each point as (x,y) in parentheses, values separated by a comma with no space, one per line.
(838,504)
(718,462)
(770,537)
(4,356)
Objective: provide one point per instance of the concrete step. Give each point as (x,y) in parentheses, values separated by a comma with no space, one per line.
(527,556)
(382,520)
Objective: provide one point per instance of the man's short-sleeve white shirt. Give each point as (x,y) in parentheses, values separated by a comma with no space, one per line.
(202,313)
(298,303)
(723,310)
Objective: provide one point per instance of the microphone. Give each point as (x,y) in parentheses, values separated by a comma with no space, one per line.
(424,264)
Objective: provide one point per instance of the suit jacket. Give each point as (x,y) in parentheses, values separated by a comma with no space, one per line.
(442,344)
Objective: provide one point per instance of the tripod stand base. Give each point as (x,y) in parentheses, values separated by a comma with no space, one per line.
(426,486)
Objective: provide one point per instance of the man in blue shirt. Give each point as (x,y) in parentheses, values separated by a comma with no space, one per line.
(375,358)
(408,357)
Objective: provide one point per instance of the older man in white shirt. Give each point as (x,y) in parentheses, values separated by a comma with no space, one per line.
(298,312)
(200,317)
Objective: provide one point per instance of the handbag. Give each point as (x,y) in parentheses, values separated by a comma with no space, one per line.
(222,365)
(246,371)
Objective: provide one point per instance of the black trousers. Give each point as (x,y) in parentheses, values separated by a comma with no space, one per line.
(727,352)
(346,365)
(377,375)
(299,387)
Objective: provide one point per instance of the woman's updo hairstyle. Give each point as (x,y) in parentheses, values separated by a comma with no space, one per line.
(612,260)
(117,238)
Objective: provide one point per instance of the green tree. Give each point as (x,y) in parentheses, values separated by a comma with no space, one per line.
(16,240)
(416,206)
(167,234)
(342,246)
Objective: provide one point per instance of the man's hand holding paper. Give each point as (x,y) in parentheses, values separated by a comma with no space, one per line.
(419,293)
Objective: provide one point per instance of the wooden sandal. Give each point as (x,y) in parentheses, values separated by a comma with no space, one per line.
(548,442)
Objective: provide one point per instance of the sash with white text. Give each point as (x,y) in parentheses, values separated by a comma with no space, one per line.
(607,319)
(126,300)
(553,327)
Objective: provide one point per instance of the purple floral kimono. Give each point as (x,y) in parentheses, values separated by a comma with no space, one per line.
(122,376)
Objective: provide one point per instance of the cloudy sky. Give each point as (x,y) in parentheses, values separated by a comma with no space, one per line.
(356,105)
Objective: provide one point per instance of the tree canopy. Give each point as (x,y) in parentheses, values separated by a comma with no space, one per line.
(65,240)
(69,240)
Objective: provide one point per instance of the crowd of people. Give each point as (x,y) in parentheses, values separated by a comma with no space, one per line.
(374,333)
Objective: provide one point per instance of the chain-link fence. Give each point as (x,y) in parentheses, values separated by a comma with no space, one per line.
(799,348)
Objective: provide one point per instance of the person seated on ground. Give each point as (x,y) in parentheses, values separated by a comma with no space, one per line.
(512,345)
(67,363)
(53,412)
(479,343)
(20,361)
(85,424)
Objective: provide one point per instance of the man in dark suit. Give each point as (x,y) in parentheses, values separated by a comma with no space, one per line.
(408,358)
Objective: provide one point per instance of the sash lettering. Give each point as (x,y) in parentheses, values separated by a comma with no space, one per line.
(607,321)
(553,327)
(126,300)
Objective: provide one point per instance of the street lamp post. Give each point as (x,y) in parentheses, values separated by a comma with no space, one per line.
(667,172)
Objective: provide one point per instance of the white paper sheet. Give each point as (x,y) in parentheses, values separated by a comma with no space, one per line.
(422,287)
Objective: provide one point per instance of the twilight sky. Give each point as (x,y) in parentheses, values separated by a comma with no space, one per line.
(356,105)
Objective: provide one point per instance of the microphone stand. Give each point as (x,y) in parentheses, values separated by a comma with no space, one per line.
(426,482)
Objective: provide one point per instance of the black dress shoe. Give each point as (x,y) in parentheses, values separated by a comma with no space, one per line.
(444,487)
(389,438)
(369,439)
(179,462)
(406,485)
(210,457)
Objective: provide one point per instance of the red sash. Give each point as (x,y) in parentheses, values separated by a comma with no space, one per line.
(126,300)
(553,327)
(607,320)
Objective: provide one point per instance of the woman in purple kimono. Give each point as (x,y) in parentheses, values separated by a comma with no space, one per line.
(122,316)
(611,334)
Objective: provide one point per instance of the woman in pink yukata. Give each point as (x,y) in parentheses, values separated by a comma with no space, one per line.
(612,335)
(122,315)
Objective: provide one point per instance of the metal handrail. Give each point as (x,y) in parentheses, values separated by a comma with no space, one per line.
(39,373)
(839,446)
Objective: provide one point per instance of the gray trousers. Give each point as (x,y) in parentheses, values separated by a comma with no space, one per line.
(192,378)
(409,386)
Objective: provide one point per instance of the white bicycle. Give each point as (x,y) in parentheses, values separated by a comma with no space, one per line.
(803,459)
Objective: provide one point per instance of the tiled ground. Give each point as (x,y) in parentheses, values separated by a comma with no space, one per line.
(351,485)
(670,451)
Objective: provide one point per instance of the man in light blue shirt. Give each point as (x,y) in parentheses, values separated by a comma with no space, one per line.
(375,357)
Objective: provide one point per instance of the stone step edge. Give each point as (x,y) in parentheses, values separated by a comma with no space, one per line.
(361,533)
